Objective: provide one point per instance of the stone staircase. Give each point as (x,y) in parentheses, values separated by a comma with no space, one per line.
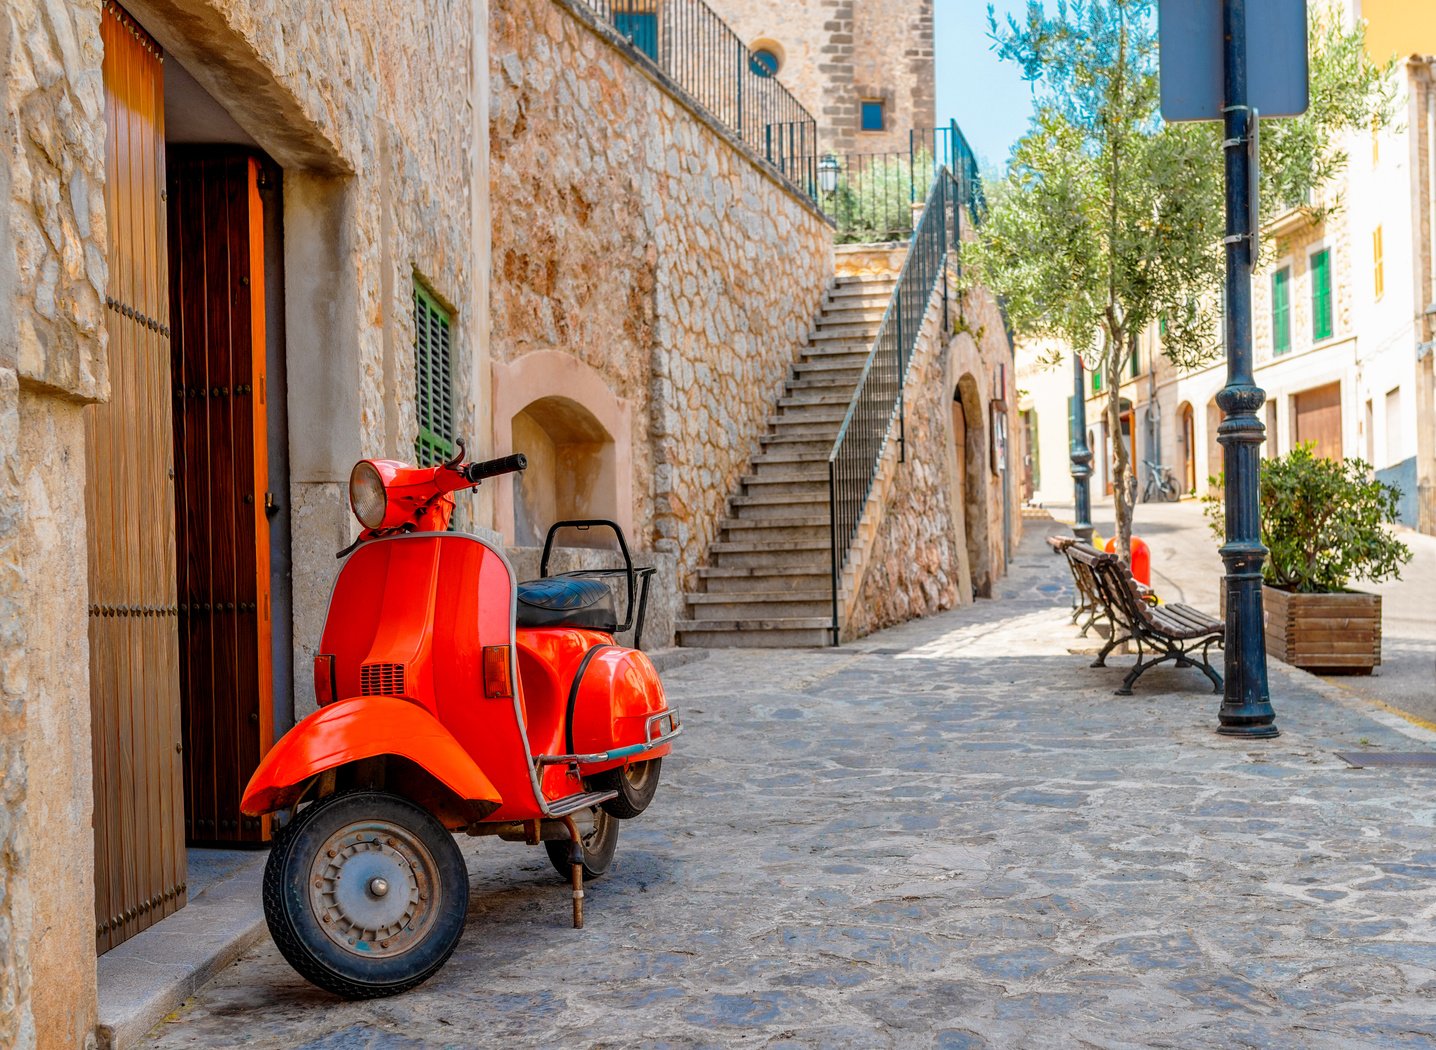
(770,582)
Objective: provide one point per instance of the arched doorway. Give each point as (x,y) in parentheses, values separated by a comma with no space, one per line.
(1214,447)
(1189,448)
(970,437)
(572,468)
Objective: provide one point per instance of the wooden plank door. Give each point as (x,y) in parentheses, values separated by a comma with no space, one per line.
(1318,419)
(129,507)
(222,528)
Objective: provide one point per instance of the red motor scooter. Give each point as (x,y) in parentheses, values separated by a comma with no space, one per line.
(451,697)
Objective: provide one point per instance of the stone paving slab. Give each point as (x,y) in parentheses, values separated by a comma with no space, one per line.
(952,834)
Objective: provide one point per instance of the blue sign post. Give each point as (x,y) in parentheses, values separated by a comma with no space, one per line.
(1205,73)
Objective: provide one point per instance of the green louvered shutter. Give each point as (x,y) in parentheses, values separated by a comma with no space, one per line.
(434,377)
(1281,311)
(1321,296)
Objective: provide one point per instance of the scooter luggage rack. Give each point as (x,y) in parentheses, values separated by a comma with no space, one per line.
(675,726)
(628,572)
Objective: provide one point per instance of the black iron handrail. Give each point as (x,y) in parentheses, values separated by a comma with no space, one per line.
(876,407)
(692,47)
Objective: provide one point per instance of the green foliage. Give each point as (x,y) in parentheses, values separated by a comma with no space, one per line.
(1110,218)
(875,194)
(1322,522)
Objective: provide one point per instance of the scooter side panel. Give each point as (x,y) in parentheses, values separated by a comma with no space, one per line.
(620,690)
(358,728)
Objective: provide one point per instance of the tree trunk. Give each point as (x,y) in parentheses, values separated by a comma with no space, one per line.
(1121,463)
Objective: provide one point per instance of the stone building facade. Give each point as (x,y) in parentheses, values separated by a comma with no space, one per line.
(377,128)
(836,56)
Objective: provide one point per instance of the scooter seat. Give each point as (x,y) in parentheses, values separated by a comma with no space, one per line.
(566,601)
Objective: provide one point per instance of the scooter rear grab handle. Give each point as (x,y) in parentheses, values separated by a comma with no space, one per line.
(476,472)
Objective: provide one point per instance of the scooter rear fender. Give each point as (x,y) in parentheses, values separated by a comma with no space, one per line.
(367,727)
(619,693)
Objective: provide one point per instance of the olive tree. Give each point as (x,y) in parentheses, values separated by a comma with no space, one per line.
(1110,219)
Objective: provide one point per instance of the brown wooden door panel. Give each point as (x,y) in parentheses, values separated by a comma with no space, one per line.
(134,681)
(217,282)
(1318,419)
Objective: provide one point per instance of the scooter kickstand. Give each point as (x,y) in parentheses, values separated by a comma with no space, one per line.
(575,860)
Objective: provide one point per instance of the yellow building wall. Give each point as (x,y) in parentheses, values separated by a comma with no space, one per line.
(1399,27)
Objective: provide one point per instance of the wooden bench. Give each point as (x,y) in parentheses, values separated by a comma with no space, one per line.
(1170,632)
(1086,602)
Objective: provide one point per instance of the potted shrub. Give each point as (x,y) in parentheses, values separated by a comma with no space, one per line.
(1323,523)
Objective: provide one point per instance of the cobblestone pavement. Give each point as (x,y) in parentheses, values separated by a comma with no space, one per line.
(952,834)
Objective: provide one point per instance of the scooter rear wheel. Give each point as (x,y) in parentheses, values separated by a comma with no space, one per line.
(636,784)
(599,834)
(365,894)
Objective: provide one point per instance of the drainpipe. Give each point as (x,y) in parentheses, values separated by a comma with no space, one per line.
(1426,352)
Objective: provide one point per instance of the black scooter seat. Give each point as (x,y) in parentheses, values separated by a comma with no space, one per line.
(565,601)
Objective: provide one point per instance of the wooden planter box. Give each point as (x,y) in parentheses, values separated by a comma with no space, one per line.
(1329,633)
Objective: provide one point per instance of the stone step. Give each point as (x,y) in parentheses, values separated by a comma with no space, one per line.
(843,333)
(760,605)
(826,382)
(780,499)
(776,530)
(739,580)
(791,455)
(847,354)
(867,280)
(826,367)
(866,299)
(799,442)
(870,316)
(806,429)
(772,554)
(789,482)
(807,632)
(828,415)
(828,397)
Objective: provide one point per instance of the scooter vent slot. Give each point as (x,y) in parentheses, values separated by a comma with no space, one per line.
(382,679)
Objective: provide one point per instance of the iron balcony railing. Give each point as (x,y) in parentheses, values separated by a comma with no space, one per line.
(876,408)
(870,196)
(696,50)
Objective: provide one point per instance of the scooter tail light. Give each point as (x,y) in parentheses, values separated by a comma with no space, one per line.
(325,689)
(497,681)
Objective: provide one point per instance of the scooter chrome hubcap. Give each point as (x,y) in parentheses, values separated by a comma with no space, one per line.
(374,888)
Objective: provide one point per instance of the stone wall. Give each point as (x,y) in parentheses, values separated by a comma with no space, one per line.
(835,53)
(635,236)
(380,125)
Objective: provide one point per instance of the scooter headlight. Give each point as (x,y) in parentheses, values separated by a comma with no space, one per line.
(366,494)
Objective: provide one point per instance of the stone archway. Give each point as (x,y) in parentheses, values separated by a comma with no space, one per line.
(970,438)
(560,413)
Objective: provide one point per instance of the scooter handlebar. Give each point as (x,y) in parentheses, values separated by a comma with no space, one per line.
(477,472)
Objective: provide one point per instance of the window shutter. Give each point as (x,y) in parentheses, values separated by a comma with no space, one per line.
(1281,311)
(434,379)
(1321,295)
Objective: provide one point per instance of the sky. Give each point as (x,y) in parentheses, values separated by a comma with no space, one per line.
(988,99)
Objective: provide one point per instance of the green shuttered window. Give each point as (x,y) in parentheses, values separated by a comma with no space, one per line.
(434,377)
(1321,295)
(1281,310)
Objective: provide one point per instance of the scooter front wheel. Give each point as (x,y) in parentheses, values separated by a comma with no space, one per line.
(365,894)
(599,834)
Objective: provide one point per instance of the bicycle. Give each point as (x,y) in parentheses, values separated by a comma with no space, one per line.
(1160,484)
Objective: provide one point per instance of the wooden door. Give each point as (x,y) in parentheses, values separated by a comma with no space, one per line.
(1318,419)
(129,507)
(222,466)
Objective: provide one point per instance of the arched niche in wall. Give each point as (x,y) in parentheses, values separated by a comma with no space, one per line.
(577,435)
(572,468)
